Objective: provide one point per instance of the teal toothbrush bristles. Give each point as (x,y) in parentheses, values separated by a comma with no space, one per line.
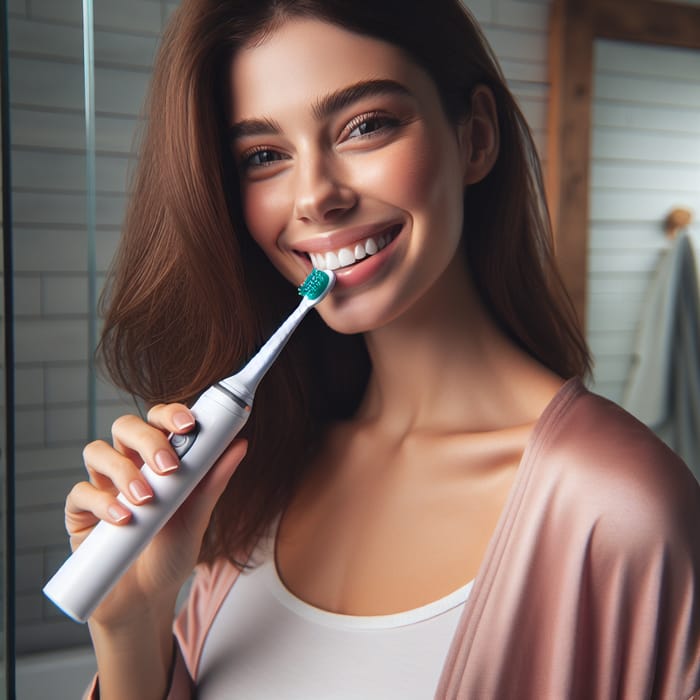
(315,284)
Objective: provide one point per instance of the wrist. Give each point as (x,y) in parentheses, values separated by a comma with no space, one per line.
(135,656)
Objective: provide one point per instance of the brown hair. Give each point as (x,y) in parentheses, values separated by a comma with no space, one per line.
(190,296)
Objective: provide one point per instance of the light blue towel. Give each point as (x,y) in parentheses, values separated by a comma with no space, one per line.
(663,387)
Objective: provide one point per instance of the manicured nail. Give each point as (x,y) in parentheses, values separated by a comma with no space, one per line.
(183,421)
(117,512)
(140,491)
(166,461)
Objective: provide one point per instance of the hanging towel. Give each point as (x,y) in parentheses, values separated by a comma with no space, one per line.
(663,387)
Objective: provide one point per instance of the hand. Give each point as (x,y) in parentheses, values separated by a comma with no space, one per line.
(161,569)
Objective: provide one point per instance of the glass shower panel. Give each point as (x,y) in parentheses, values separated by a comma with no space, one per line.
(73,129)
(50,302)
(7,681)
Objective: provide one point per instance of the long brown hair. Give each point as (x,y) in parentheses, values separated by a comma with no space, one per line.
(190,296)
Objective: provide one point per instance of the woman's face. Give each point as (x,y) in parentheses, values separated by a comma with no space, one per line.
(347,161)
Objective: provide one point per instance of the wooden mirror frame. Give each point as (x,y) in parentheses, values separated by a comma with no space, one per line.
(574,26)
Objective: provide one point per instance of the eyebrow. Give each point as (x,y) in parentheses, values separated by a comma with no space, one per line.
(323,107)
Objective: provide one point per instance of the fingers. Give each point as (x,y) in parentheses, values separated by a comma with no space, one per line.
(172,417)
(110,470)
(86,505)
(116,468)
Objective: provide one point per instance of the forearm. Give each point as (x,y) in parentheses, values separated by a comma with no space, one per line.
(134,661)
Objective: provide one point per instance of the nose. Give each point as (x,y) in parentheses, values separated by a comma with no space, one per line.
(323,192)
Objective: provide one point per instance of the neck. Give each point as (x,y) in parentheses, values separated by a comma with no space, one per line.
(445,366)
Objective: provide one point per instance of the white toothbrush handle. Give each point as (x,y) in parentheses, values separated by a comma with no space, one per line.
(89,573)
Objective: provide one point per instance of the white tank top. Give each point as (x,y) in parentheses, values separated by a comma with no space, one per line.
(266,643)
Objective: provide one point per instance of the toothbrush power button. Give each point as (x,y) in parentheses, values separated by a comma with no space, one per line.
(182,442)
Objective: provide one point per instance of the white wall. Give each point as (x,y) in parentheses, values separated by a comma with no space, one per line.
(645,161)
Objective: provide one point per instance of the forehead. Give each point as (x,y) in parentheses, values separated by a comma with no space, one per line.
(306,58)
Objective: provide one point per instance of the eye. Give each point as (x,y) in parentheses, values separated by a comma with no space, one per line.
(260,158)
(365,125)
(260,162)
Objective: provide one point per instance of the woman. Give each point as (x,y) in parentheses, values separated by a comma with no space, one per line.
(431,503)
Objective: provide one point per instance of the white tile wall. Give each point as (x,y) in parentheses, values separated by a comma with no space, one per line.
(50,245)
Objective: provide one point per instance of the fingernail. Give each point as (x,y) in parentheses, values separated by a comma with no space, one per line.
(117,513)
(183,421)
(140,491)
(165,461)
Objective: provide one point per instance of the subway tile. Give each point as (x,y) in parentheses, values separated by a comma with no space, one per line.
(34,208)
(66,424)
(51,492)
(66,384)
(125,49)
(55,556)
(47,129)
(170,7)
(29,606)
(132,15)
(120,91)
(106,243)
(64,171)
(29,568)
(55,631)
(52,129)
(49,250)
(111,174)
(44,83)
(69,12)
(42,39)
(110,209)
(51,340)
(40,528)
(107,413)
(29,386)
(36,460)
(115,134)
(29,426)
(48,170)
(17,8)
(108,393)
(27,295)
(64,295)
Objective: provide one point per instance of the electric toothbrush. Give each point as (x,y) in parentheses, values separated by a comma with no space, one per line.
(220,412)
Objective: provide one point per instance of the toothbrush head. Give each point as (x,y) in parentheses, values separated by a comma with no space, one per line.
(317,285)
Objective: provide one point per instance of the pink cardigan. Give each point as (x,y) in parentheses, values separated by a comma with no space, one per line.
(590,587)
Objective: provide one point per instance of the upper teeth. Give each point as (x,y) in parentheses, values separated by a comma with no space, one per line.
(343,257)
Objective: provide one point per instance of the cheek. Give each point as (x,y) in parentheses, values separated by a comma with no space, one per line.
(263,212)
(415,177)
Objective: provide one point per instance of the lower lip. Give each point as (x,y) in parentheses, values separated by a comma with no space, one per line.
(366,269)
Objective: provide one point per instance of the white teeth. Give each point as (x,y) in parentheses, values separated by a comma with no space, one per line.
(332,262)
(344,257)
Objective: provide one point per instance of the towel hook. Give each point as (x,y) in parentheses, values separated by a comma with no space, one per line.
(676,220)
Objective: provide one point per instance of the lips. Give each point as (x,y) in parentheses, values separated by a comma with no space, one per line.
(350,254)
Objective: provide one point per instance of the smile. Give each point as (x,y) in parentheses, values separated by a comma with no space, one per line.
(349,255)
